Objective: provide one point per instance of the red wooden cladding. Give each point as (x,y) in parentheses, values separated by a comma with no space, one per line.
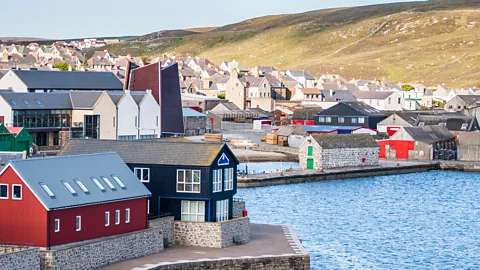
(22,221)
(93,224)
(27,222)
(147,77)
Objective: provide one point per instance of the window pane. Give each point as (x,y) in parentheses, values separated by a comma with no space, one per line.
(196,187)
(3,191)
(145,174)
(180,187)
(196,176)
(193,207)
(184,206)
(17,192)
(185,218)
(189,178)
(180,175)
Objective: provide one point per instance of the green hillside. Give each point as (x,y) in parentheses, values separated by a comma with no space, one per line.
(426,42)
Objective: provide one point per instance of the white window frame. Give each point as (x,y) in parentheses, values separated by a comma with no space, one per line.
(127,215)
(142,174)
(4,198)
(56,223)
(148,206)
(328,119)
(228,179)
(321,119)
(222,210)
(361,120)
(217,180)
(117,217)
(13,191)
(192,183)
(342,119)
(199,215)
(79,220)
(354,120)
(107,218)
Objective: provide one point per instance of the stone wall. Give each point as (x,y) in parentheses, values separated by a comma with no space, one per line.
(349,157)
(20,259)
(238,207)
(281,262)
(211,234)
(168,228)
(239,227)
(106,251)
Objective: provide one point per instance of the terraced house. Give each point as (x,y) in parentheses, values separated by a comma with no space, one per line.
(192,181)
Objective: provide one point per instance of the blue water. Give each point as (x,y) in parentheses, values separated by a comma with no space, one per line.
(267,167)
(425,220)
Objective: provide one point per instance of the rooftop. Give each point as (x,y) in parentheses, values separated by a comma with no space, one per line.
(68,181)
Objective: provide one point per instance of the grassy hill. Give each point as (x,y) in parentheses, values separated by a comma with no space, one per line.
(426,42)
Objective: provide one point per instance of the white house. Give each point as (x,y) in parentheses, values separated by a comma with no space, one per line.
(126,121)
(382,100)
(303,77)
(413,99)
(148,114)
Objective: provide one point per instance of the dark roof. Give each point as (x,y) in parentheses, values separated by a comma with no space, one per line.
(138,96)
(428,134)
(38,101)
(84,100)
(338,95)
(69,80)
(116,97)
(305,113)
(451,121)
(150,151)
(260,112)
(345,141)
(470,99)
(358,106)
(52,171)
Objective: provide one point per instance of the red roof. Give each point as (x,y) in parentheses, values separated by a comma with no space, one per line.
(14,130)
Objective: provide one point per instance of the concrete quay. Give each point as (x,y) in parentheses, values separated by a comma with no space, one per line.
(301,176)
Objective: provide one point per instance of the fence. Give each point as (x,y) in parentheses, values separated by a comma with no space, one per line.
(236,126)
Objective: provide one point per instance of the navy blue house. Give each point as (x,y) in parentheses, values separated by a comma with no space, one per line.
(192,181)
(351,114)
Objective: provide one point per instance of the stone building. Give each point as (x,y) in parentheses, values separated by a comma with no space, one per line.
(321,152)
(195,123)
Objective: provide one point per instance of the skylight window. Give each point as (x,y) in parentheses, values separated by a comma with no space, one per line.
(47,190)
(81,185)
(69,187)
(13,102)
(38,102)
(26,102)
(108,182)
(95,180)
(119,182)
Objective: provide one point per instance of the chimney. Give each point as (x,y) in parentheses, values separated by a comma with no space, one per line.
(149,91)
(127,91)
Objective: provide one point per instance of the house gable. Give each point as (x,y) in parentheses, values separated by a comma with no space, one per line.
(341,109)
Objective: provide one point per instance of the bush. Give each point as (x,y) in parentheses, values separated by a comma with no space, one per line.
(407,87)
(221,96)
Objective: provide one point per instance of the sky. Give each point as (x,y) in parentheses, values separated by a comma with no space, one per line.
(59,19)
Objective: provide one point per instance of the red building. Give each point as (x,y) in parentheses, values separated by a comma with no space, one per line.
(47,202)
(401,148)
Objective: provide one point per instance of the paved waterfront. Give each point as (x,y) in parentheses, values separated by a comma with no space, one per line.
(265,240)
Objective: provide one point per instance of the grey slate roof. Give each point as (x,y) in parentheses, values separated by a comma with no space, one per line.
(52,171)
(364,108)
(69,80)
(429,134)
(138,96)
(470,99)
(116,97)
(306,113)
(289,130)
(338,95)
(345,141)
(84,100)
(302,73)
(48,101)
(149,151)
